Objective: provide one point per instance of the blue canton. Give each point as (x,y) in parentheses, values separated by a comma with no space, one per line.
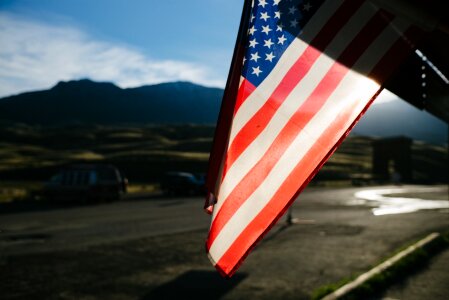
(273,26)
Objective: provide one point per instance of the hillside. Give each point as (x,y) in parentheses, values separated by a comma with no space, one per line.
(89,102)
(144,152)
(397,118)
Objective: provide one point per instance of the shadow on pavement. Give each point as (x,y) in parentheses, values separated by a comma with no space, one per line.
(275,233)
(24,206)
(196,285)
(31,205)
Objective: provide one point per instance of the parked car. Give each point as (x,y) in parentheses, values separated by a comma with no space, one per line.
(183,183)
(91,182)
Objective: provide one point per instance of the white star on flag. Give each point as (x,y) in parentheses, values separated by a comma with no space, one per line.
(292,10)
(266,29)
(257,71)
(281,40)
(268,43)
(252,30)
(253,43)
(294,23)
(307,6)
(270,57)
(255,56)
(280,27)
(262,3)
(264,16)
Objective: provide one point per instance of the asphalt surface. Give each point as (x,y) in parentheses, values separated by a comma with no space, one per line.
(152,248)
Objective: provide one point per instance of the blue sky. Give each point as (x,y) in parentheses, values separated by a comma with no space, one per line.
(130,43)
(127,42)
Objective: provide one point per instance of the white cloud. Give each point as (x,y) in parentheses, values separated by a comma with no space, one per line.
(36,55)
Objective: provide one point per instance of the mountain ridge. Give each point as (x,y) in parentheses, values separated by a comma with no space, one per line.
(85,101)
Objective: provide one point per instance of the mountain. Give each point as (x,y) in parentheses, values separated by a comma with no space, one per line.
(86,101)
(399,118)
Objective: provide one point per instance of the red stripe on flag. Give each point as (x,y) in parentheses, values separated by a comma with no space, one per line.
(365,37)
(245,90)
(400,49)
(294,126)
(341,16)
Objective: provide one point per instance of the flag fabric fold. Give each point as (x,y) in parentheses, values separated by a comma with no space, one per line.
(307,72)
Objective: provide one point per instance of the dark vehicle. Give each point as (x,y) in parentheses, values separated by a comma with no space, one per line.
(87,182)
(183,183)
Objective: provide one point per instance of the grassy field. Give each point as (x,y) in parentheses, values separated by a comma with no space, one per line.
(29,155)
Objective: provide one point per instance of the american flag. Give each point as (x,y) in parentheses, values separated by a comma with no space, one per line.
(309,70)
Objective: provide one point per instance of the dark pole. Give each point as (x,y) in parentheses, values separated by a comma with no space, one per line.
(289,215)
(228,103)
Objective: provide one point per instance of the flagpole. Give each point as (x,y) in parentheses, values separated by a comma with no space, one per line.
(222,130)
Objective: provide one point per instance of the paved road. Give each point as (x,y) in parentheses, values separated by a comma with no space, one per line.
(150,216)
(337,236)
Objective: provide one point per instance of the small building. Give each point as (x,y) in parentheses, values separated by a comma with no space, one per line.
(392,159)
